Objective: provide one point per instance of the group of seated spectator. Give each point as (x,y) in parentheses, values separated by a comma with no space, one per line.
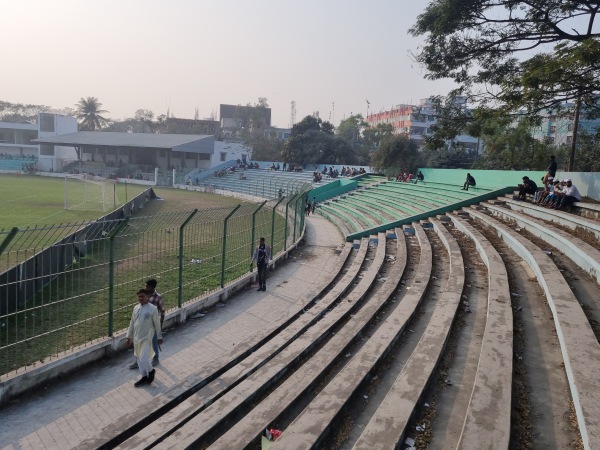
(557,194)
(332,172)
(14,156)
(404,177)
(317,177)
(274,166)
(348,172)
(28,167)
(248,165)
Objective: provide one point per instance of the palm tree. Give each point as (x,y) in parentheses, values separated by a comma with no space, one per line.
(88,113)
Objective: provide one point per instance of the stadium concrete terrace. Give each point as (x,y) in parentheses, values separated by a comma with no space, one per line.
(488,182)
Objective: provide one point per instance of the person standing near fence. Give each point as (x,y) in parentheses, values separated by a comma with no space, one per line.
(155,299)
(142,327)
(262,255)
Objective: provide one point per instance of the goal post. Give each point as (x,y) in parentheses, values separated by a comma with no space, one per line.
(89,193)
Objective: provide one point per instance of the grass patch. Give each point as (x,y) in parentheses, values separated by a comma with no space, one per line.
(29,200)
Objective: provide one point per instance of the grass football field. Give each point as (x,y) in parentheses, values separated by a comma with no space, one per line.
(73,308)
(27,200)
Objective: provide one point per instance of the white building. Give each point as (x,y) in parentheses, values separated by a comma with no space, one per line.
(230,151)
(16,144)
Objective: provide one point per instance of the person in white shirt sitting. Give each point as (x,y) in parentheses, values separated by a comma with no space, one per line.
(569,195)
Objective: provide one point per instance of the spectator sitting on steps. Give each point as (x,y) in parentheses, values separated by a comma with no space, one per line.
(528,187)
(470,181)
(568,196)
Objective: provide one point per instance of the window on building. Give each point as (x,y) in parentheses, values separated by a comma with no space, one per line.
(47,122)
(47,149)
(163,153)
(190,156)
(223,156)
(569,139)
(204,157)
(570,127)
(552,129)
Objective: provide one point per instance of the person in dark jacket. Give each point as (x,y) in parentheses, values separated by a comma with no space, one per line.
(528,187)
(262,256)
(470,181)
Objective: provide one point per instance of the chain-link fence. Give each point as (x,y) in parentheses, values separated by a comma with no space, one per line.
(62,287)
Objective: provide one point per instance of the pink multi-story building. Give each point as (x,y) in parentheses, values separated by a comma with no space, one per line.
(415,121)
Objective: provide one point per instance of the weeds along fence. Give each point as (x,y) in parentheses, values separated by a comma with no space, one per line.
(64,286)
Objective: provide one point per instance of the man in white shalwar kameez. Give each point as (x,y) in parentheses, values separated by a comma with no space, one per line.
(144,323)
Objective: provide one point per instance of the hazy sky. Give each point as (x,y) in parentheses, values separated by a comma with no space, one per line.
(188,54)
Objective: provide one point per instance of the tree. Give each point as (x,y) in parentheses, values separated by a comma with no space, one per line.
(88,112)
(267,148)
(589,160)
(493,50)
(396,153)
(312,141)
(351,130)
(509,145)
(18,112)
(146,119)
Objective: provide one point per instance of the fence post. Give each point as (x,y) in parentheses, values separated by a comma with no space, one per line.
(11,235)
(273,225)
(303,217)
(254,230)
(111,274)
(296,217)
(285,228)
(225,244)
(180,282)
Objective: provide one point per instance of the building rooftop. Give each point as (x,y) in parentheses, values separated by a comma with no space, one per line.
(178,142)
